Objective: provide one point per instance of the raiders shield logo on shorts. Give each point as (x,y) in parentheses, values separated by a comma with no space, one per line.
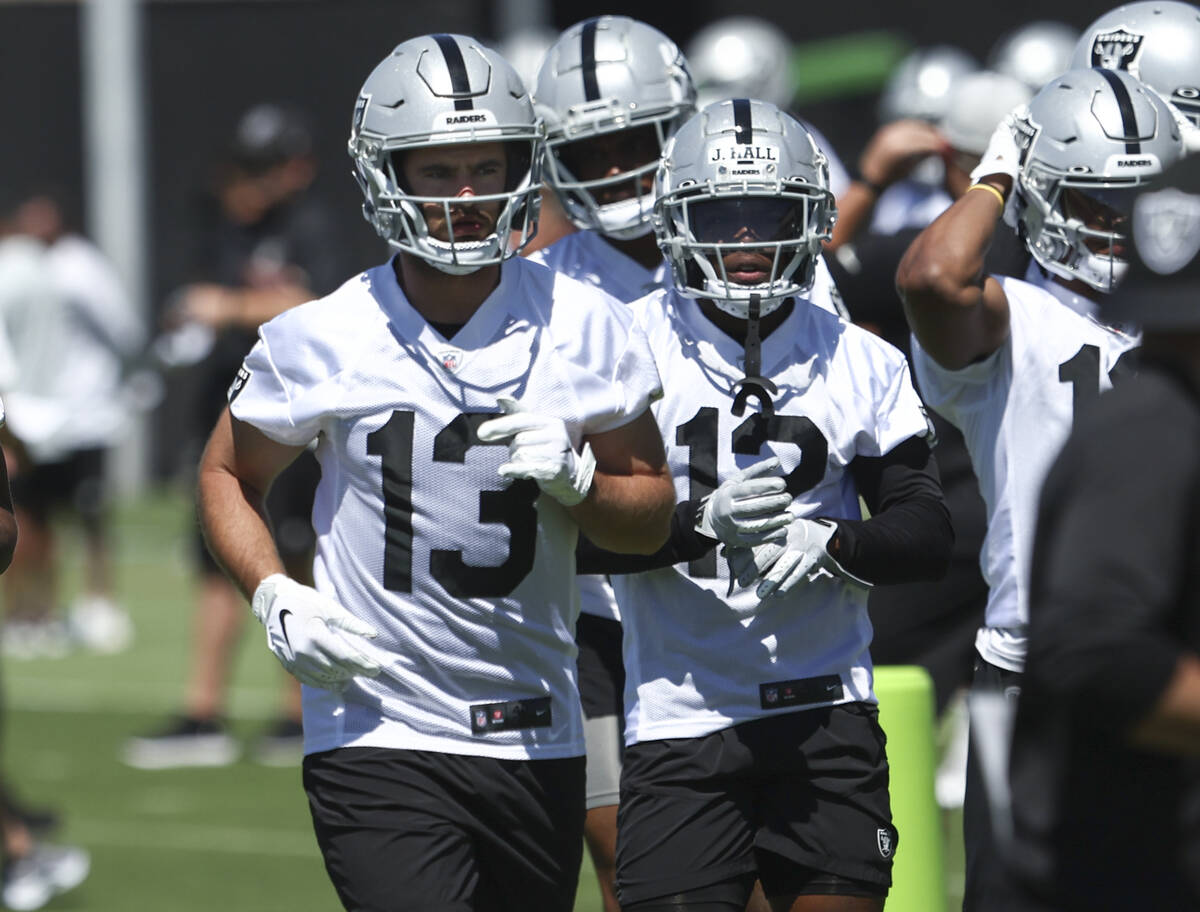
(883,838)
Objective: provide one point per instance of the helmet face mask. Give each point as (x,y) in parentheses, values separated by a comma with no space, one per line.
(611,92)
(1088,139)
(435,93)
(743,206)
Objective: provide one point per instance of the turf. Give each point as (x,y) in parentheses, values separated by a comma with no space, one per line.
(237,838)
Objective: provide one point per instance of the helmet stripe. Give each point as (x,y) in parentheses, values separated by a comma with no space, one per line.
(1128,115)
(459,83)
(587,51)
(743,127)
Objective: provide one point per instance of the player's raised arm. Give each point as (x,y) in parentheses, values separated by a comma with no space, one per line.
(958,313)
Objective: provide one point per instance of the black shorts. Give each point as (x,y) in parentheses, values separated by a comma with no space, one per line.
(421,830)
(808,787)
(601,668)
(289,508)
(75,482)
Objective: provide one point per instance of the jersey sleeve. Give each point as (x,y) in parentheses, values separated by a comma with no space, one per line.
(609,359)
(284,387)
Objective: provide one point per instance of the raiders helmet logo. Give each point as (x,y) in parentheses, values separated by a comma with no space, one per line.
(883,838)
(1166,229)
(1116,50)
(360,112)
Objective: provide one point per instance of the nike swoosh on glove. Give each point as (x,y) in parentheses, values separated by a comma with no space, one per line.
(748,508)
(539,448)
(313,636)
(779,565)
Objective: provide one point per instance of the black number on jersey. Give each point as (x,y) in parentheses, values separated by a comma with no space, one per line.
(699,435)
(1082,371)
(512,507)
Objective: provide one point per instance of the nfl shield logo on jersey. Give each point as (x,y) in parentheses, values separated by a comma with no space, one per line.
(771,694)
(883,836)
(481,719)
(1116,50)
(451,359)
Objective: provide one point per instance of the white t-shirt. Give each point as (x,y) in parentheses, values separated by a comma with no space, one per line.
(697,659)
(469,581)
(71,326)
(1015,409)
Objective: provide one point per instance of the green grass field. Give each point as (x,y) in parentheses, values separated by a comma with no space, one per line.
(237,838)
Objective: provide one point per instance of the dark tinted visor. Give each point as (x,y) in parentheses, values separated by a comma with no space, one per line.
(1101,209)
(746,219)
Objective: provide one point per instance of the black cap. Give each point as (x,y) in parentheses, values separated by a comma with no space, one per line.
(267,135)
(1161,291)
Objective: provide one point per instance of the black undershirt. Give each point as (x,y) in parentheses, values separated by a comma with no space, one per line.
(447,330)
(907,538)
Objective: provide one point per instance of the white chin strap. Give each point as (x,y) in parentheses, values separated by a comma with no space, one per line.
(626,219)
(735,299)
(462,258)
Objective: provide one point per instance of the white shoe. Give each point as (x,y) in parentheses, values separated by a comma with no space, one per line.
(36,639)
(183,742)
(32,881)
(99,624)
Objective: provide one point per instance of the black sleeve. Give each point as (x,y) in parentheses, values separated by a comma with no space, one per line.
(1114,546)
(909,536)
(683,544)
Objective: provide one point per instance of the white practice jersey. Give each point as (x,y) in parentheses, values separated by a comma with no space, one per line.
(696,659)
(469,580)
(1015,409)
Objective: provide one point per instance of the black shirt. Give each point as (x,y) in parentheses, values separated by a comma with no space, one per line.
(1115,599)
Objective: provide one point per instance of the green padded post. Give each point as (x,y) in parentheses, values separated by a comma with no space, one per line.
(906,706)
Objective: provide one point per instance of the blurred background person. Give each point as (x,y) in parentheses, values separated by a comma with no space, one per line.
(32,871)
(268,247)
(1105,769)
(71,337)
(1035,52)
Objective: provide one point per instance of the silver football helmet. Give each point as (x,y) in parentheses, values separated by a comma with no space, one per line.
(1158,41)
(604,75)
(1087,140)
(741,57)
(920,84)
(441,90)
(1035,53)
(743,176)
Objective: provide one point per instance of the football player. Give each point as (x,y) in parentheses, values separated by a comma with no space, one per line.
(473,412)
(610,92)
(1010,362)
(752,746)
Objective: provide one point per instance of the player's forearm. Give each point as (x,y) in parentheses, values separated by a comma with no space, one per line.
(855,208)
(233,519)
(628,514)
(1173,726)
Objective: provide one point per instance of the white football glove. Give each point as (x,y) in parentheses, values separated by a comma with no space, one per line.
(779,565)
(540,449)
(1003,156)
(748,508)
(311,634)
